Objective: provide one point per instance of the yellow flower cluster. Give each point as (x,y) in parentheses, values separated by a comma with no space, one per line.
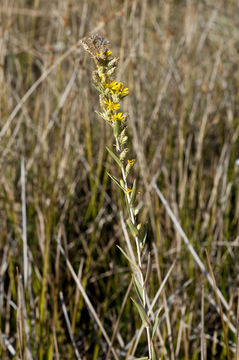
(118,88)
(112,91)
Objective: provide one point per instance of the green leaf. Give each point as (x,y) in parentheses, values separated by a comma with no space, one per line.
(142,313)
(116,181)
(128,258)
(156,321)
(133,194)
(128,207)
(132,228)
(138,289)
(143,237)
(114,157)
(142,358)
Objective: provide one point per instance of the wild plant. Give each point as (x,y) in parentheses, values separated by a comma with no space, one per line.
(112,93)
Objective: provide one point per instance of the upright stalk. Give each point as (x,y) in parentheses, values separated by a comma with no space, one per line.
(136,238)
(111,93)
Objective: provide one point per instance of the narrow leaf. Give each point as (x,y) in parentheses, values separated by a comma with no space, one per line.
(116,181)
(143,237)
(103,115)
(128,258)
(98,88)
(127,205)
(132,228)
(100,114)
(148,272)
(114,157)
(133,194)
(142,358)
(156,321)
(142,313)
(138,288)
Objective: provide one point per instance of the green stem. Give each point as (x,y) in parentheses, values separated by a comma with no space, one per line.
(141,277)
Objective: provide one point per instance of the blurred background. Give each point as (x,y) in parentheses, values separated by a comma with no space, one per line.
(180,61)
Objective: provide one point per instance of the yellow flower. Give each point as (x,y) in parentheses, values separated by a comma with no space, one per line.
(109,52)
(111,106)
(128,190)
(122,90)
(115,85)
(113,117)
(120,116)
(139,226)
(118,88)
(131,162)
(110,85)
(116,117)
(107,85)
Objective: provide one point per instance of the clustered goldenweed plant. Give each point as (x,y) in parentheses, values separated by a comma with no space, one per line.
(111,94)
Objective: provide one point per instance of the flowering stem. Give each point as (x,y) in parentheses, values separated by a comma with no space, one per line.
(111,92)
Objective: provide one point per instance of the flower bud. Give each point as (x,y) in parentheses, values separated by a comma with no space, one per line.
(102,98)
(123,154)
(124,140)
(113,62)
(116,128)
(95,77)
(122,135)
(111,71)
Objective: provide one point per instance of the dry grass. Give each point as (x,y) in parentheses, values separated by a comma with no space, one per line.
(59,212)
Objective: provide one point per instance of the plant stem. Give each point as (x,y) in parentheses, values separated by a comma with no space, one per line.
(140,275)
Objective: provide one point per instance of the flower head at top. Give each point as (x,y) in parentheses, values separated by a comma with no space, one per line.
(102,53)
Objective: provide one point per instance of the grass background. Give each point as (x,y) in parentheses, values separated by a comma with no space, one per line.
(180,62)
